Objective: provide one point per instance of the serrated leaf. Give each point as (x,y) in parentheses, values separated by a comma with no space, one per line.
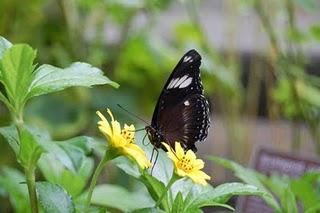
(50,79)
(30,148)
(4,44)
(16,71)
(118,197)
(53,198)
(178,205)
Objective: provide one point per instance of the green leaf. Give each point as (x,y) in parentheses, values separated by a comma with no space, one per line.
(4,44)
(73,182)
(50,79)
(12,182)
(313,209)
(10,133)
(208,196)
(126,165)
(305,188)
(155,187)
(149,210)
(178,206)
(118,197)
(67,165)
(315,31)
(250,177)
(17,71)
(288,201)
(308,93)
(30,149)
(53,198)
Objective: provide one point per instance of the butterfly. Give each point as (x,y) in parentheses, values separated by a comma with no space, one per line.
(182,112)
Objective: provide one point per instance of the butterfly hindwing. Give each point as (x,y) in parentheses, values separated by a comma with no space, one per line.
(187,122)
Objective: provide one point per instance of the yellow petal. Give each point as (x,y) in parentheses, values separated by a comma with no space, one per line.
(199,177)
(179,150)
(110,114)
(115,125)
(171,154)
(191,156)
(181,172)
(138,154)
(198,164)
(167,147)
(104,122)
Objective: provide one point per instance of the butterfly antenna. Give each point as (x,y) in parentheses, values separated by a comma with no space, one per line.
(132,114)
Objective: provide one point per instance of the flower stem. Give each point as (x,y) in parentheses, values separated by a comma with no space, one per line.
(107,156)
(31,183)
(173,179)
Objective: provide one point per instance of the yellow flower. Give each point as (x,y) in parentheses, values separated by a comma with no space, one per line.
(122,140)
(187,164)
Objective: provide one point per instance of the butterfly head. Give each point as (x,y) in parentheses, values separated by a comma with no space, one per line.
(154,136)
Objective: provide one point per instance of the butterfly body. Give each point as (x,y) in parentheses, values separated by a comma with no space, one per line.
(182,112)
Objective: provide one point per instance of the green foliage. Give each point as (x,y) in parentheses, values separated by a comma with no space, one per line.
(50,79)
(54,198)
(67,31)
(65,163)
(281,192)
(16,68)
(30,149)
(12,182)
(119,198)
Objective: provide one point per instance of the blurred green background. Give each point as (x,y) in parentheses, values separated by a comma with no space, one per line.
(260,67)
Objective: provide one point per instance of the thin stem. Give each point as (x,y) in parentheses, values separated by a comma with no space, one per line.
(107,156)
(31,183)
(173,179)
(29,170)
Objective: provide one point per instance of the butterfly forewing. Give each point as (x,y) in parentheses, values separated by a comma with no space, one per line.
(182,112)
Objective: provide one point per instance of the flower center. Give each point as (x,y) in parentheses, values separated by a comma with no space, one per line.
(184,164)
(128,135)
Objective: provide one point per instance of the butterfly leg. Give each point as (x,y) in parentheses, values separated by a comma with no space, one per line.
(155,161)
(145,144)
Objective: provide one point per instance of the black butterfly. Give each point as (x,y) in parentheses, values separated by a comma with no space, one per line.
(182,112)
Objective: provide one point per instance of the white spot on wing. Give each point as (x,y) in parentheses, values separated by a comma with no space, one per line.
(187,58)
(181,81)
(175,82)
(186,83)
(186,103)
(172,83)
